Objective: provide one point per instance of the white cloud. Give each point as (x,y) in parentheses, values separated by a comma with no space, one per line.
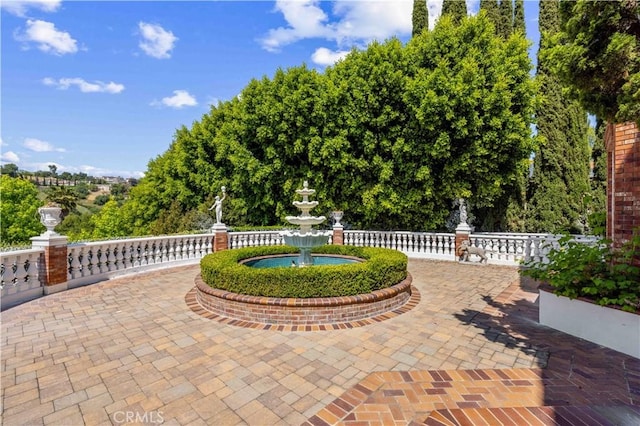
(306,20)
(348,23)
(84,86)
(97,171)
(156,41)
(37,145)
(20,7)
(352,22)
(10,157)
(324,56)
(180,99)
(47,37)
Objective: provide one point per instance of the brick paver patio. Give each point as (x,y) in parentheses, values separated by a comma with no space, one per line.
(470,351)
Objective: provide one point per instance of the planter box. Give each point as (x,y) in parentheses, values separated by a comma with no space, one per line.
(608,327)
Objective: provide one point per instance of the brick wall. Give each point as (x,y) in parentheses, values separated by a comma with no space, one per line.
(623,180)
(312,311)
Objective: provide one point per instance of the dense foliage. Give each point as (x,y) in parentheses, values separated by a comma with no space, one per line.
(19,211)
(518,17)
(505,28)
(491,9)
(419,17)
(391,135)
(597,214)
(382,268)
(597,272)
(560,184)
(597,53)
(455,9)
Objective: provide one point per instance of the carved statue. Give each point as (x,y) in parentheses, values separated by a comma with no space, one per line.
(218,206)
(463,210)
(466,249)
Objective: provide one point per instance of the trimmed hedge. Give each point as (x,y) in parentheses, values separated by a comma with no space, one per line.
(381,268)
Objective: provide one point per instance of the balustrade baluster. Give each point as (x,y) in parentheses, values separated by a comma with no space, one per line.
(111,258)
(20,272)
(102,260)
(126,256)
(75,264)
(117,253)
(171,253)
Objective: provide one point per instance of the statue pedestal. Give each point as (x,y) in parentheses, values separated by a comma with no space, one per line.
(55,260)
(338,235)
(220,237)
(463,231)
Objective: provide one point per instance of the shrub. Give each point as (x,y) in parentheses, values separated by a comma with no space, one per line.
(381,268)
(597,272)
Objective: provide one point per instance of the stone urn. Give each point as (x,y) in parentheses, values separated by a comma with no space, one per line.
(337,216)
(50,217)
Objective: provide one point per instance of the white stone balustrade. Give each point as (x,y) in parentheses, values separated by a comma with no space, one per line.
(96,261)
(19,276)
(255,239)
(425,245)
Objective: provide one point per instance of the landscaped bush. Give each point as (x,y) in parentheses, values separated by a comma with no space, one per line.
(381,268)
(596,272)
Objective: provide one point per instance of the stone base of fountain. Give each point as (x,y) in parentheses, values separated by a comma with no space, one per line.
(305,242)
(302,312)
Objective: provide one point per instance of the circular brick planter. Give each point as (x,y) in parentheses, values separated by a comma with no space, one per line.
(310,311)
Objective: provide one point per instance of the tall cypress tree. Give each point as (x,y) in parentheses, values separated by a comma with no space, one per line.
(561,165)
(457,9)
(518,17)
(506,18)
(491,9)
(597,207)
(420,17)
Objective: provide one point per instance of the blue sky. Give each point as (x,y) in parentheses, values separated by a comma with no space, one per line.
(100,87)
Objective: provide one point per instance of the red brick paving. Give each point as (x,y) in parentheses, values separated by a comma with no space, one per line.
(472,341)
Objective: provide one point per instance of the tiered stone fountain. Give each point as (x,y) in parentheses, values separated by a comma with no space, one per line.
(306,238)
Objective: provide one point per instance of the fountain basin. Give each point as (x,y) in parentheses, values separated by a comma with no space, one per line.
(305,241)
(305,220)
(374,284)
(285,261)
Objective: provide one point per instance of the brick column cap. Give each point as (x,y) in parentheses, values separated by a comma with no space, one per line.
(48,240)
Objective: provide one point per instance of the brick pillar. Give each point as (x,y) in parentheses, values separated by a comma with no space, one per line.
(623,181)
(220,237)
(338,235)
(55,262)
(462,233)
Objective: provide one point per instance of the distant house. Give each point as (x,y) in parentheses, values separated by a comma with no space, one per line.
(104,188)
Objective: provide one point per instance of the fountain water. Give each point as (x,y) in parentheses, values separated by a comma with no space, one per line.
(306,238)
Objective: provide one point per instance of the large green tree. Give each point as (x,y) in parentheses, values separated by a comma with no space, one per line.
(597,53)
(456,9)
(475,124)
(419,17)
(491,9)
(391,135)
(560,180)
(505,26)
(597,205)
(518,17)
(18,210)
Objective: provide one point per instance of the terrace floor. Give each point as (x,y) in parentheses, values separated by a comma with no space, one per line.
(470,351)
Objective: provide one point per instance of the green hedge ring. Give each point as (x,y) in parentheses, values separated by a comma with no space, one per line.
(380,268)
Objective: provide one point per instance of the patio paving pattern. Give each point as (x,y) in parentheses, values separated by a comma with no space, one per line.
(468,350)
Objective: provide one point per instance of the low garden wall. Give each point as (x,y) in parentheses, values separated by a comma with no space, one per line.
(307,311)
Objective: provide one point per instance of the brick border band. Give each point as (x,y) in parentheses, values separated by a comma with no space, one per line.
(256,311)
